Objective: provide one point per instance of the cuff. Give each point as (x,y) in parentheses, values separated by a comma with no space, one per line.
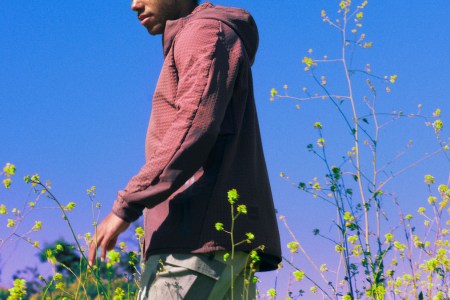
(125,211)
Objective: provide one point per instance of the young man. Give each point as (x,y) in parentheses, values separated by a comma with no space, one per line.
(203,140)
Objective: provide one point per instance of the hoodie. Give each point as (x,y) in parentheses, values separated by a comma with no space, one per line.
(203,140)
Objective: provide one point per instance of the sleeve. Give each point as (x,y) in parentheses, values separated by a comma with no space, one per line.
(207,70)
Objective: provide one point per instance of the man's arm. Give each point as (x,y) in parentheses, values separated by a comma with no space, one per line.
(207,70)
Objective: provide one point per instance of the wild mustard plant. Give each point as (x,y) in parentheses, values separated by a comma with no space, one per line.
(15,216)
(426,250)
(253,257)
(356,183)
(72,277)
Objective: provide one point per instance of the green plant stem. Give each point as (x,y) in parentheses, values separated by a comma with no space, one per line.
(51,196)
(233,218)
(413,269)
(46,289)
(340,210)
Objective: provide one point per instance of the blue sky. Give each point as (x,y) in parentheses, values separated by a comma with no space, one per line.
(77,77)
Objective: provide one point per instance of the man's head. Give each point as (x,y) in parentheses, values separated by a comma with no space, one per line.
(153,14)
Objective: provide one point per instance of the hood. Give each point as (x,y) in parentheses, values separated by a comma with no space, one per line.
(236,18)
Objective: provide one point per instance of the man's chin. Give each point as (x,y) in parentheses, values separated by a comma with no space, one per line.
(155,30)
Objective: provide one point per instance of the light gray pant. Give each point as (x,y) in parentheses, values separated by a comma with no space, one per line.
(196,277)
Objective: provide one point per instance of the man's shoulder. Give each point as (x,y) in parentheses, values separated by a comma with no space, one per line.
(227,14)
(209,22)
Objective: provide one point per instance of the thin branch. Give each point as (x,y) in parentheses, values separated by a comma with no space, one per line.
(311,97)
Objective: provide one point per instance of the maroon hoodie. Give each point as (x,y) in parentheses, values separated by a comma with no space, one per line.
(203,140)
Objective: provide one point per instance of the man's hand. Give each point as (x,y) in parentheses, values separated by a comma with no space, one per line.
(106,237)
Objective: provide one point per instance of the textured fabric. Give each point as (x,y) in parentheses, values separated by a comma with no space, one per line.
(195,277)
(203,139)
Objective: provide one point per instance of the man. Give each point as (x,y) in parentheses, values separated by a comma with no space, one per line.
(203,140)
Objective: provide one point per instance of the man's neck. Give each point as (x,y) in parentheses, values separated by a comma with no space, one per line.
(187,8)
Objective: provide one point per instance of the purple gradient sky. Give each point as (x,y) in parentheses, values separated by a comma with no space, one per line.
(77,77)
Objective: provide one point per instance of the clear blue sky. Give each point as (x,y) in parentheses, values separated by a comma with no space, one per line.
(76,81)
